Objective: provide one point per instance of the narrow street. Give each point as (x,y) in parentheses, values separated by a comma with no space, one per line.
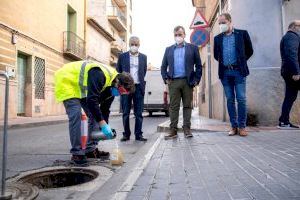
(32,148)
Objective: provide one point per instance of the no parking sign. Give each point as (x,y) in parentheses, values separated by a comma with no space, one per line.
(199,37)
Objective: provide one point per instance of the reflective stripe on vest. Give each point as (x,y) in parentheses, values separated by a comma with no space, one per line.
(81,79)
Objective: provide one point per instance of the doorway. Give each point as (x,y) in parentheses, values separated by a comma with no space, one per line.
(22,68)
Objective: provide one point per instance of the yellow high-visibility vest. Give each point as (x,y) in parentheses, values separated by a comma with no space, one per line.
(71,79)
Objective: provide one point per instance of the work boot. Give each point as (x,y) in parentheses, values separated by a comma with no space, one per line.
(243,132)
(96,154)
(187,133)
(79,160)
(233,131)
(172,135)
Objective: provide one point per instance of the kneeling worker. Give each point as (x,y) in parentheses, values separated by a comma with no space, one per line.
(92,87)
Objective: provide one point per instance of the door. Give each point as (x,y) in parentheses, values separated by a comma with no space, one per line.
(21,77)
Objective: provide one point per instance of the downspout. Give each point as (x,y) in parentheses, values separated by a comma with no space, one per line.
(283,17)
(85,25)
(224,98)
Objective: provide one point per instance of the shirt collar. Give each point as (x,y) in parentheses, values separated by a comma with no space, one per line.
(232,33)
(135,55)
(184,43)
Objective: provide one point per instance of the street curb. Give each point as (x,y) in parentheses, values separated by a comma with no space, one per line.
(43,123)
(164,127)
(167,129)
(34,124)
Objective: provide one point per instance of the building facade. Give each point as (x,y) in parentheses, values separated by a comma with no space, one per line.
(43,36)
(266,22)
(108,29)
(35,40)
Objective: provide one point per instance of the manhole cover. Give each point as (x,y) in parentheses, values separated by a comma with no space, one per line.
(22,191)
(58,178)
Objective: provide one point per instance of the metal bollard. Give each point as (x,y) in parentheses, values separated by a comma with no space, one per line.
(4,156)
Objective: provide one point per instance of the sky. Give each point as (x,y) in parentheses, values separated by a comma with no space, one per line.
(154,21)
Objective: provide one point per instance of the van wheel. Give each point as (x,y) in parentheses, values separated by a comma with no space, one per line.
(150,114)
(167,113)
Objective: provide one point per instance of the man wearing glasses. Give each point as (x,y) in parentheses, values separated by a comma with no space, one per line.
(181,69)
(134,63)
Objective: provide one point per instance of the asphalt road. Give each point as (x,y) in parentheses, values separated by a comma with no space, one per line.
(32,148)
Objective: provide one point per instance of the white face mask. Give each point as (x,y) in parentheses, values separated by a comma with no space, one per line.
(134,49)
(298,31)
(178,40)
(224,28)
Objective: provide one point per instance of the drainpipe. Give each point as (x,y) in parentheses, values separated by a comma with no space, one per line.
(209,79)
(283,16)
(85,24)
(224,98)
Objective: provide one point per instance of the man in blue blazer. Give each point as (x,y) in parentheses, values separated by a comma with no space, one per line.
(134,63)
(233,48)
(181,69)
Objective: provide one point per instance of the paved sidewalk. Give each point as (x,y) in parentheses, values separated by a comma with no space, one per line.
(212,165)
(201,123)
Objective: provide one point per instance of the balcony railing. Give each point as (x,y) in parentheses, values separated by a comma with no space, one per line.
(74,46)
(116,12)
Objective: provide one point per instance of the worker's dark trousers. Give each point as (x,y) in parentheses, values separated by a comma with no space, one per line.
(73,110)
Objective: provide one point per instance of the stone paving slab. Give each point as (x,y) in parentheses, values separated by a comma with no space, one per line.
(264,165)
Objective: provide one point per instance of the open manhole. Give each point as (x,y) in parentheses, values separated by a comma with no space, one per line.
(59,178)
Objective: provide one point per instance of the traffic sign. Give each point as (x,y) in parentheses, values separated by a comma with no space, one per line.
(199,37)
(199,21)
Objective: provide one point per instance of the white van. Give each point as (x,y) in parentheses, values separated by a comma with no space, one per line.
(156,93)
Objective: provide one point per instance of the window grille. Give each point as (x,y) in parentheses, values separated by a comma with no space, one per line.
(39,78)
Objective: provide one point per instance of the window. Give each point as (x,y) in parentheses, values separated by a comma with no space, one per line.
(39,78)
(72,19)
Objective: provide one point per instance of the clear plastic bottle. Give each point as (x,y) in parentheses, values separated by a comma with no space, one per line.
(99,135)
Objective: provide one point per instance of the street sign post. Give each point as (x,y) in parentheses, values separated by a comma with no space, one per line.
(3,194)
(200,37)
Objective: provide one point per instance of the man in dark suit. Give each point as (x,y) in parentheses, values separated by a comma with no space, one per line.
(181,69)
(290,71)
(232,48)
(135,63)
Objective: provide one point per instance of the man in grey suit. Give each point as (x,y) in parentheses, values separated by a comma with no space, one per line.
(134,63)
(181,69)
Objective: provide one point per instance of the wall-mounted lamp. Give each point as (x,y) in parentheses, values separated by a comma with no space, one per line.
(14,37)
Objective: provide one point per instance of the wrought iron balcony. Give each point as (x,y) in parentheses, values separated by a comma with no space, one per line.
(74,46)
(117,18)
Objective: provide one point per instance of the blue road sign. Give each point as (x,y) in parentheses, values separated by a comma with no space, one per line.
(199,37)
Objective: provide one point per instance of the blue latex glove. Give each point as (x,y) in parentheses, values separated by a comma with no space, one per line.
(107,131)
(115,92)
